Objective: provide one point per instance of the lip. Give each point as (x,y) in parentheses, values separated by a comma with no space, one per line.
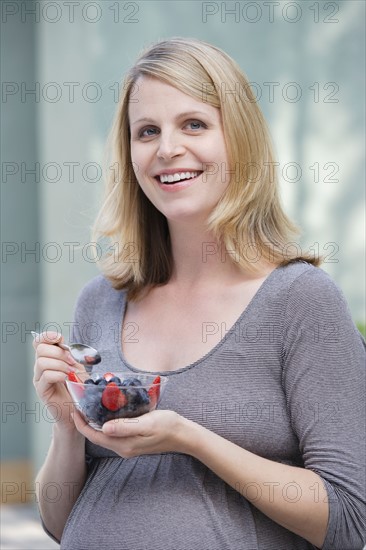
(178,185)
(169,171)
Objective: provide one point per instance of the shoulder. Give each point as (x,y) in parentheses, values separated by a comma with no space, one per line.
(97,292)
(308,286)
(302,285)
(97,284)
(314,302)
(300,272)
(98,304)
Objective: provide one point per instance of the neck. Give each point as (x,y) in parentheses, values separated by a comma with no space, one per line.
(199,261)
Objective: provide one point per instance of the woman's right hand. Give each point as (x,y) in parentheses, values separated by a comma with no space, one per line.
(52,365)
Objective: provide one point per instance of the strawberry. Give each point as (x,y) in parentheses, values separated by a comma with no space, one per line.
(107,376)
(154,391)
(112,397)
(73,378)
(78,390)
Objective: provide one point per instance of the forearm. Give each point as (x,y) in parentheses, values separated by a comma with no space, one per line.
(293,497)
(61,479)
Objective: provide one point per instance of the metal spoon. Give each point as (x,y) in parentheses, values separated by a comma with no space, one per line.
(83,354)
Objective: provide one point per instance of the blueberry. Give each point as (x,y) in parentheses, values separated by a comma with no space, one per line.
(131,382)
(102,382)
(144,396)
(110,415)
(91,410)
(115,379)
(141,397)
(91,400)
(136,410)
(101,413)
(89,381)
(92,390)
(132,394)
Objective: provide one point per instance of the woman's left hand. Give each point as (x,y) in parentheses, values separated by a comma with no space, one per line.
(154,432)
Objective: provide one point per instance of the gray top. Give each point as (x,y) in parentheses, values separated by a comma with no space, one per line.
(287,382)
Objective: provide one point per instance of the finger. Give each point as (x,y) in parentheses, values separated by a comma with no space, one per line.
(124,427)
(126,447)
(93,435)
(48,337)
(47,351)
(49,377)
(49,364)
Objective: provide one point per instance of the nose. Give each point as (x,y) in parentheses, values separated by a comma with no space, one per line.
(170,146)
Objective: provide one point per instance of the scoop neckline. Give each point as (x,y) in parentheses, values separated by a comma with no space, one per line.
(212,351)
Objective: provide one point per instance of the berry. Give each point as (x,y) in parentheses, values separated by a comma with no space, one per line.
(90,409)
(112,397)
(93,391)
(73,378)
(106,397)
(90,401)
(142,397)
(100,414)
(115,379)
(154,391)
(131,382)
(137,396)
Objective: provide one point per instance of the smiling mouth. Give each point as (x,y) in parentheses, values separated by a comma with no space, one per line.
(179,176)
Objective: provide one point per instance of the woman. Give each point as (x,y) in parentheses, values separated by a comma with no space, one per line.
(257,440)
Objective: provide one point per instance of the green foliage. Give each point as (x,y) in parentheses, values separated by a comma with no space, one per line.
(362,328)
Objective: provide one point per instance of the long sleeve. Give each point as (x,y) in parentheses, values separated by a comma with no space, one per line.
(324,383)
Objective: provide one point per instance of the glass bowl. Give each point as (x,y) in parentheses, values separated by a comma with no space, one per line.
(101,397)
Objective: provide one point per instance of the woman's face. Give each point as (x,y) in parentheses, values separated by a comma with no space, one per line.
(178,150)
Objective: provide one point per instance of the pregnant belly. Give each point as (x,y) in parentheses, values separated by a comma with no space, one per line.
(158,502)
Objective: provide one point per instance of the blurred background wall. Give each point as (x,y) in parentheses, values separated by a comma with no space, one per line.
(62,66)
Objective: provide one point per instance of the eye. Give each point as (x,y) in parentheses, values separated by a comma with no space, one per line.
(196,125)
(147,132)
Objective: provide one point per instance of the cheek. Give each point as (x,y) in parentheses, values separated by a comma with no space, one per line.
(137,164)
(141,161)
(134,155)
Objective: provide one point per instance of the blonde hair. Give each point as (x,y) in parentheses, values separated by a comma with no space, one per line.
(249,213)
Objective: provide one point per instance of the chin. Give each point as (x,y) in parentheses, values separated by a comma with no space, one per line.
(186,215)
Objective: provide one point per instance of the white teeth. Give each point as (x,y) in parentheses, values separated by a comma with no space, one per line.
(169,178)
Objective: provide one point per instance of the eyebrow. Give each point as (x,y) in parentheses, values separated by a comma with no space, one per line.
(181,115)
